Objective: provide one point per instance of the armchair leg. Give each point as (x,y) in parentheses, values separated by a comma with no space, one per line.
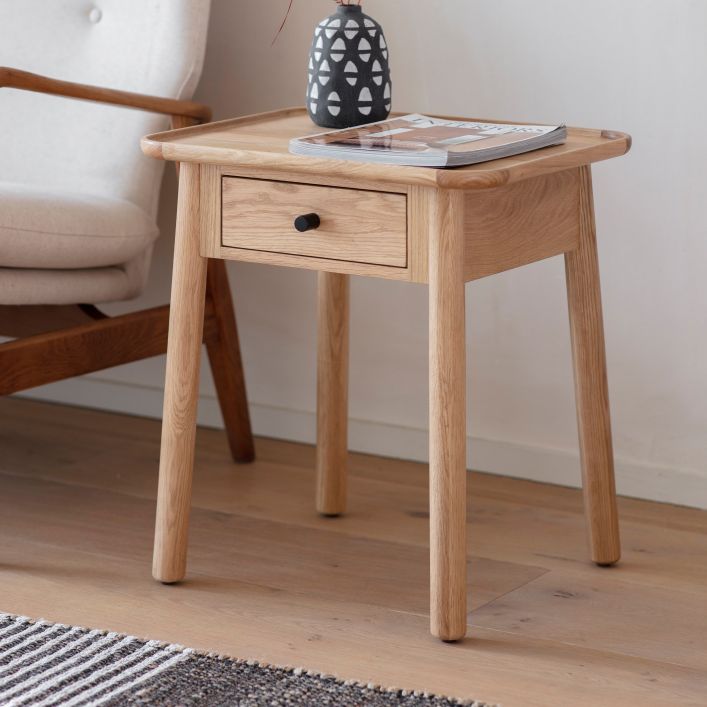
(224,354)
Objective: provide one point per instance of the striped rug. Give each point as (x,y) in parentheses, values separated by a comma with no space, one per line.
(43,664)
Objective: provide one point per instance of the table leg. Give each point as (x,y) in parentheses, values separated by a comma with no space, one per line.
(332,393)
(591,389)
(447,418)
(186,321)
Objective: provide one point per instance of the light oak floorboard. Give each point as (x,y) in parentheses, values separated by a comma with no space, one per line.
(269,579)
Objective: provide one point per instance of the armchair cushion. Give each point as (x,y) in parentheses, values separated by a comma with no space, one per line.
(48,228)
(88,285)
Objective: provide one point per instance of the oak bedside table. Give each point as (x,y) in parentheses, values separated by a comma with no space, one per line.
(243,196)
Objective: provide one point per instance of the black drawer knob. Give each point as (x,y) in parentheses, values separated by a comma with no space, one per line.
(307,222)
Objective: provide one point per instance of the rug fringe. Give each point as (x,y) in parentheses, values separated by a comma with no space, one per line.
(250,662)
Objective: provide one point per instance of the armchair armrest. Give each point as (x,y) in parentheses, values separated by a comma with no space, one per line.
(24,80)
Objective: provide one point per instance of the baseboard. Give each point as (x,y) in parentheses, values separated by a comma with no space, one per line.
(639,480)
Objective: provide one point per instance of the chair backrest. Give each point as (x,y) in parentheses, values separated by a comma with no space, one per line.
(147,46)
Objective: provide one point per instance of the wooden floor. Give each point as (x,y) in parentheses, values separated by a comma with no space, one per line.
(270,580)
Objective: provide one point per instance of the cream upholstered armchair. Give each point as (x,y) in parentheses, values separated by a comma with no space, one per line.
(78,201)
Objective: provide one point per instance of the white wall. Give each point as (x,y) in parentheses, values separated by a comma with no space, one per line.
(634,65)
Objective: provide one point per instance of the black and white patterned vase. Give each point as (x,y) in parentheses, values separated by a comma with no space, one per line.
(349,73)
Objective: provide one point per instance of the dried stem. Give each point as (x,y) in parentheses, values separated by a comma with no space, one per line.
(289,9)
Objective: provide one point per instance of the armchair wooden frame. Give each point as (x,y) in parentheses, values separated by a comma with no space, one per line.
(54,342)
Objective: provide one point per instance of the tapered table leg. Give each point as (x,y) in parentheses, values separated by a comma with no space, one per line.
(186,323)
(447,418)
(592,396)
(332,393)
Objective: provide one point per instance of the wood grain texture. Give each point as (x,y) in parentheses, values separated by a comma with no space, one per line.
(420,205)
(45,358)
(210,230)
(181,386)
(211,224)
(591,387)
(349,597)
(24,80)
(332,393)
(358,226)
(28,320)
(331,179)
(222,342)
(535,212)
(521,223)
(542,608)
(447,417)
(306,262)
(224,351)
(262,141)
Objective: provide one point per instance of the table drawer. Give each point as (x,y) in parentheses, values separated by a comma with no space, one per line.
(354,225)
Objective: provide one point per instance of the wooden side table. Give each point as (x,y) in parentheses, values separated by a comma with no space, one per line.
(240,193)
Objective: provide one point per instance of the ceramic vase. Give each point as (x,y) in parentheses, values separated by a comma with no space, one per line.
(349,72)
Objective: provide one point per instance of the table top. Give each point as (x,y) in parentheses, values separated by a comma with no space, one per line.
(262,141)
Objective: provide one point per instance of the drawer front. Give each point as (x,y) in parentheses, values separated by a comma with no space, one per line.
(355,225)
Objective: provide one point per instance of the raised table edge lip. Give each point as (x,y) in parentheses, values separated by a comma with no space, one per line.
(160,146)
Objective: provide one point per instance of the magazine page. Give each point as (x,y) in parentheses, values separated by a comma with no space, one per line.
(417,134)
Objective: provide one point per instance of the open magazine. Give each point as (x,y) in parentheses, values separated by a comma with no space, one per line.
(418,140)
